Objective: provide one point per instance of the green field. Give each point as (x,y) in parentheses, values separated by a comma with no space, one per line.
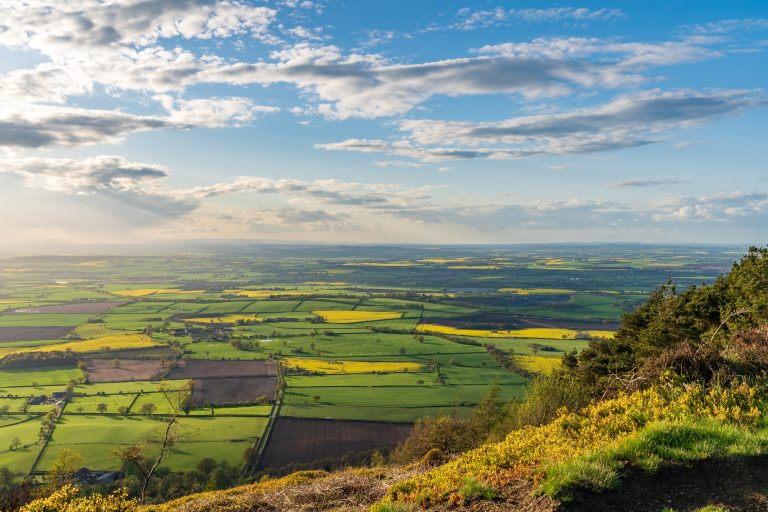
(433,285)
(96,437)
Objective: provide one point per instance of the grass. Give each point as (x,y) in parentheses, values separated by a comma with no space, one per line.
(42,319)
(19,460)
(89,404)
(95,438)
(43,376)
(402,396)
(379,413)
(657,444)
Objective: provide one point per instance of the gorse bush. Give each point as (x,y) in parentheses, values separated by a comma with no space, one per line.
(525,453)
(66,499)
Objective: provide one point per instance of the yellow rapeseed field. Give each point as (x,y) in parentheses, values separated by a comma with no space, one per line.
(327,366)
(142,292)
(351,317)
(537,291)
(540,364)
(225,319)
(94,263)
(383,264)
(532,332)
(114,342)
(444,260)
(260,294)
(474,267)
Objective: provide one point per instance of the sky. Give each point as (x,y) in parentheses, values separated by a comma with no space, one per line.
(137,121)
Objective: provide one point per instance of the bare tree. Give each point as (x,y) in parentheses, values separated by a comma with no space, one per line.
(160,441)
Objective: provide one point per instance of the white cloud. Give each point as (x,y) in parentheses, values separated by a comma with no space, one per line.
(625,55)
(627,121)
(469,19)
(644,182)
(725,207)
(85,176)
(34,126)
(728,26)
(435,154)
(212,112)
(60,28)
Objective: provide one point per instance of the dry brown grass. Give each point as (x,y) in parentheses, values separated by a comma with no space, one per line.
(306,491)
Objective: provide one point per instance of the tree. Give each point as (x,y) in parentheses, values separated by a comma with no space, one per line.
(6,478)
(4,410)
(63,467)
(115,363)
(122,410)
(146,455)
(316,398)
(147,409)
(15,444)
(219,479)
(102,408)
(207,465)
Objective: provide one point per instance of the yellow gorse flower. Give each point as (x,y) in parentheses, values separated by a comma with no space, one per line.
(524,452)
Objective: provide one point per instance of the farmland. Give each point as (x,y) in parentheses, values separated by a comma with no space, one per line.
(334,352)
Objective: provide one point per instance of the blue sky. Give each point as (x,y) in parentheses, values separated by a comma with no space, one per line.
(340,121)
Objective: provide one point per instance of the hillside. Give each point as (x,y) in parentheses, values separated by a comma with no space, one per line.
(671,413)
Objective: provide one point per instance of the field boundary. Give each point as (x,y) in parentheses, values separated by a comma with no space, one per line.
(40,454)
(261,446)
(133,402)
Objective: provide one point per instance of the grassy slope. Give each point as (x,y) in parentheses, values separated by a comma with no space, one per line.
(589,449)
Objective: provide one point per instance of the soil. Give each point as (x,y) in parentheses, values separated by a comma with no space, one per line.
(102,370)
(233,390)
(33,333)
(303,441)
(202,369)
(738,484)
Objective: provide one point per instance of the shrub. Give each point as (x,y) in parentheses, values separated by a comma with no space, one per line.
(66,499)
(526,452)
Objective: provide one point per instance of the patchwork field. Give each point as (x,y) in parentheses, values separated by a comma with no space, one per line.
(236,390)
(337,349)
(33,333)
(197,369)
(120,370)
(301,441)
